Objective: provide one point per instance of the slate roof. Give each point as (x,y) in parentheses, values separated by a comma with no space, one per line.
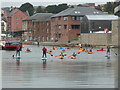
(79,11)
(40,17)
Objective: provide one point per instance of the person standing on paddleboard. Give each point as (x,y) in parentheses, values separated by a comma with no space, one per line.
(108,50)
(44,52)
(18,50)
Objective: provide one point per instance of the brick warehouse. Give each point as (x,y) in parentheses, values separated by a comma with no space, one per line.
(37,27)
(65,26)
(14,18)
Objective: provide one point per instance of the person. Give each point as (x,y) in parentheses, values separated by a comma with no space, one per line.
(102,48)
(90,49)
(74,54)
(44,52)
(108,50)
(18,50)
(61,54)
(27,49)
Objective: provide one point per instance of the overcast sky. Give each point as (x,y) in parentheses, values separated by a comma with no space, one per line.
(17,3)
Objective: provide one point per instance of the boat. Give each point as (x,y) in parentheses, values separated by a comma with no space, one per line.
(11,43)
(101,50)
(90,52)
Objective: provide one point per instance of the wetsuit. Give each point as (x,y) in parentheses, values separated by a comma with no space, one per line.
(18,51)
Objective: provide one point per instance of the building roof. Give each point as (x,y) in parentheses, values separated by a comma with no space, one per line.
(40,17)
(79,11)
(102,17)
(13,12)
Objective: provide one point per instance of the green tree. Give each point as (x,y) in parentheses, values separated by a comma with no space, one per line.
(39,10)
(27,7)
(56,9)
(51,9)
(109,7)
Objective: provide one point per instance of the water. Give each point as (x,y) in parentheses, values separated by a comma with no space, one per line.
(87,71)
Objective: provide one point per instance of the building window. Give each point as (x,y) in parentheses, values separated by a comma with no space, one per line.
(47,38)
(47,30)
(16,22)
(59,18)
(65,26)
(59,26)
(77,18)
(59,35)
(42,38)
(47,24)
(75,26)
(65,18)
(16,18)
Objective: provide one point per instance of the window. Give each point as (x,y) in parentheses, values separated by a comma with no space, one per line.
(59,26)
(75,26)
(77,18)
(47,24)
(59,18)
(47,30)
(65,26)
(42,38)
(59,35)
(65,18)
(16,22)
(16,18)
(47,38)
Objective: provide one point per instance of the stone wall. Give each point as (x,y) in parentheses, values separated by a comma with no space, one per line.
(96,38)
(115,32)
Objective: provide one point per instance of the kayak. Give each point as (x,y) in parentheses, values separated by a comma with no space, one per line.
(61,57)
(90,52)
(73,57)
(101,50)
(28,51)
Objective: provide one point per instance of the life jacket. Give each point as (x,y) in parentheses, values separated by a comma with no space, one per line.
(44,49)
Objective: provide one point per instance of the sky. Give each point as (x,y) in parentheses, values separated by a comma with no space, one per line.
(18,3)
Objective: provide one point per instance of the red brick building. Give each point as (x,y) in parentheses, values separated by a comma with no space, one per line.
(66,25)
(14,19)
(38,27)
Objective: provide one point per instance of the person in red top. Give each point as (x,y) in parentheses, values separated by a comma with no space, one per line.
(44,52)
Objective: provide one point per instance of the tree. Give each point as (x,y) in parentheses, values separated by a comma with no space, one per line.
(27,7)
(51,9)
(39,10)
(56,9)
(109,7)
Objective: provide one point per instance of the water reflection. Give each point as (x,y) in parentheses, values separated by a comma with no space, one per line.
(44,64)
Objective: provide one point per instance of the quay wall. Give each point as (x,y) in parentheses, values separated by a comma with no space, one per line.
(96,38)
